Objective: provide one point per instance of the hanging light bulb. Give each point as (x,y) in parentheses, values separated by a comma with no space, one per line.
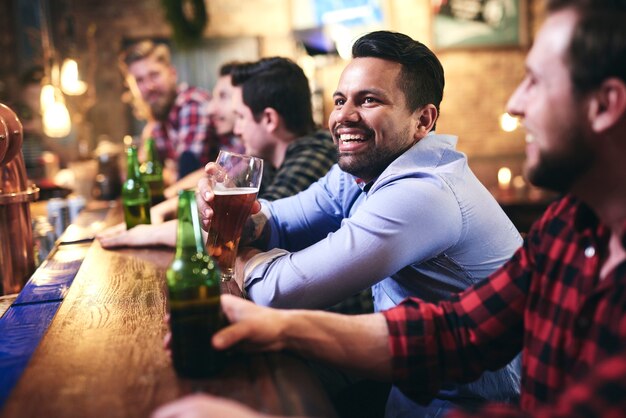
(70,83)
(46,99)
(55,116)
(56,121)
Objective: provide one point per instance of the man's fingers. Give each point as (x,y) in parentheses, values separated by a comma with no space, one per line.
(113,230)
(215,171)
(231,335)
(204,195)
(113,241)
(211,168)
(235,307)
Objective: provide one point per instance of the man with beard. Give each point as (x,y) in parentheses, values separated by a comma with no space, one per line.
(561,299)
(401,213)
(178,117)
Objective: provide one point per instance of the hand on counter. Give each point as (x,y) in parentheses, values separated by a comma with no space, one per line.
(164,211)
(202,405)
(139,236)
(252,327)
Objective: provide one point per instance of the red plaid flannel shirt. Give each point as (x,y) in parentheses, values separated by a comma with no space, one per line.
(548,302)
(187,127)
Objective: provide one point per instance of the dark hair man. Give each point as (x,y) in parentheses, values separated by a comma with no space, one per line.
(561,299)
(402,212)
(274,119)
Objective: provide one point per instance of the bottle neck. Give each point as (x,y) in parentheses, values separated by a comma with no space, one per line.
(152,154)
(132,164)
(189,234)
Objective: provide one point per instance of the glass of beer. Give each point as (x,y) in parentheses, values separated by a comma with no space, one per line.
(235,189)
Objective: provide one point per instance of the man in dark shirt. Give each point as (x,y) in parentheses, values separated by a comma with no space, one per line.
(561,299)
(273,118)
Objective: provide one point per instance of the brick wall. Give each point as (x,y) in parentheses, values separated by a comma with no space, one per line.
(478,82)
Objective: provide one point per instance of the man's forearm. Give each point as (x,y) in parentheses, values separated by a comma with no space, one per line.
(358,343)
(190,181)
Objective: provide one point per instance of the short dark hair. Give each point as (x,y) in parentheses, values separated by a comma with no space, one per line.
(597,48)
(421,78)
(228,67)
(280,84)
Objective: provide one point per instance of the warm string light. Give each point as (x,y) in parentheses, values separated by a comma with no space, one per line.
(70,82)
(56,120)
(55,116)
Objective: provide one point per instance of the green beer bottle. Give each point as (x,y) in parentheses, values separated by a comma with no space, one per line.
(193,282)
(152,172)
(135,193)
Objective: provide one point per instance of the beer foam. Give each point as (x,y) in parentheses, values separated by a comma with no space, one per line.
(234,191)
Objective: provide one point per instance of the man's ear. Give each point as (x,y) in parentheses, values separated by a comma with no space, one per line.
(271,119)
(607,104)
(426,117)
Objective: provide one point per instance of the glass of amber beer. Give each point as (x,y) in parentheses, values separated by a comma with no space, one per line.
(235,189)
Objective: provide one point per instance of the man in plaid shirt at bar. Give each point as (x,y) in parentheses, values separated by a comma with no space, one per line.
(561,299)
(178,114)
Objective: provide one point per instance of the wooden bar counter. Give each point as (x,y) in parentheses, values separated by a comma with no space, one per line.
(102,354)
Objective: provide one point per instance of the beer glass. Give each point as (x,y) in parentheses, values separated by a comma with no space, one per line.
(235,188)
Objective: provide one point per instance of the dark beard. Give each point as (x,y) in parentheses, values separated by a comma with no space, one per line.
(369,166)
(160,110)
(558,172)
(372,163)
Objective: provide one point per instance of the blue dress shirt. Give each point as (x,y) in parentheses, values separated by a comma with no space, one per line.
(426,227)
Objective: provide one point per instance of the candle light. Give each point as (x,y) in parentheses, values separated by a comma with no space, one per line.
(508,123)
(519,182)
(504,178)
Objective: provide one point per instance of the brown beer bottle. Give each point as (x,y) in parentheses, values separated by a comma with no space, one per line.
(193,282)
(152,172)
(135,193)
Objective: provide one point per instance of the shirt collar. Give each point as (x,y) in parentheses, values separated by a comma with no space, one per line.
(586,218)
(365,187)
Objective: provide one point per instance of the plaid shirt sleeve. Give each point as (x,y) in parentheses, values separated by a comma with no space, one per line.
(456,340)
(550,297)
(599,394)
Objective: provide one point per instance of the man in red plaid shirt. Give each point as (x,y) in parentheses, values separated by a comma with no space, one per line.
(561,299)
(178,114)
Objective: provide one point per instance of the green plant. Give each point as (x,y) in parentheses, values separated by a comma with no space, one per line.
(188,19)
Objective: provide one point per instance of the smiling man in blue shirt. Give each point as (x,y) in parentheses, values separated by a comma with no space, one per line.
(401,213)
